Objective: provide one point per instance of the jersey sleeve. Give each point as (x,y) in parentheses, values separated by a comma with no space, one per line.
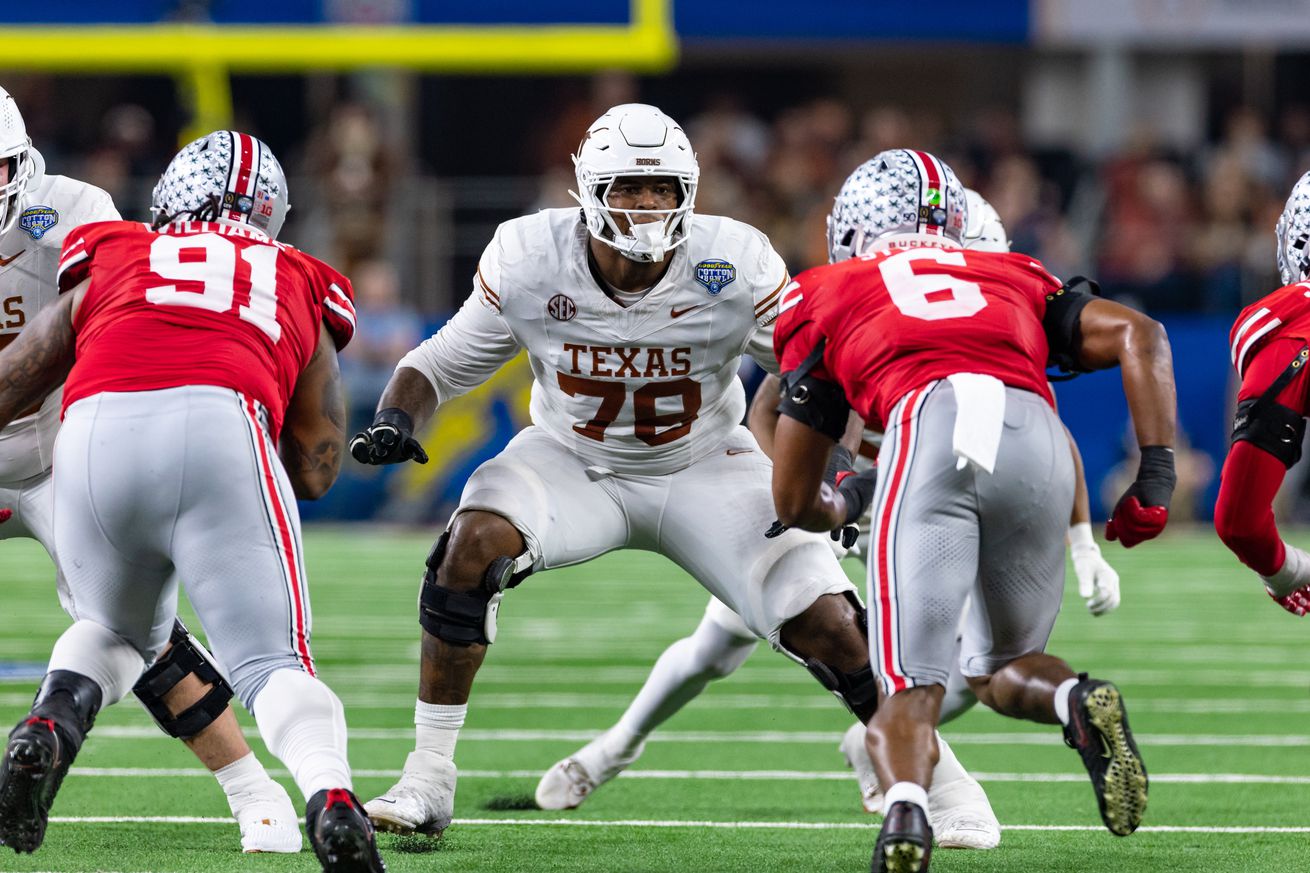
(769,279)
(75,259)
(339,308)
(475,343)
(796,332)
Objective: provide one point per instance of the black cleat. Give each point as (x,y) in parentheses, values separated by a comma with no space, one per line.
(341,834)
(905,841)
(34,765)
(1098,729)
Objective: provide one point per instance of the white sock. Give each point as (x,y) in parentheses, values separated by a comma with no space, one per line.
(436,727)
(1062,699)
(101,655)
(244,775)
(680,674)
(948,767)
(303,724)
(911,791)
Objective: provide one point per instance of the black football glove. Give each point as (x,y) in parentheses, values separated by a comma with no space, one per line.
(388,440)
(1143,510)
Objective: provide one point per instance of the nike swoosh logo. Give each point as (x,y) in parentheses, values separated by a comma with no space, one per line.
(674,312)
(4,262)
(739,451)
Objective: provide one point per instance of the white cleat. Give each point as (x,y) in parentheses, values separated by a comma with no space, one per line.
(269,823)
(857,758)
(422,802)
(958,810)
(571,781)
(961,817)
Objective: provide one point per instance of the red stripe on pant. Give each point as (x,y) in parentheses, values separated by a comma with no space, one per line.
(894,489)
(288,540)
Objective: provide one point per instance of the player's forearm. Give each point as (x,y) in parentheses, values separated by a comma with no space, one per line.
(1243,515)
(313,436)
(38,361)
(762,417)
(410,391)
(1148,377)
(1082,505)
(825,511)
(800,496)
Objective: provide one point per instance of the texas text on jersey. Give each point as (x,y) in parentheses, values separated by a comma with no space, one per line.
(259,300)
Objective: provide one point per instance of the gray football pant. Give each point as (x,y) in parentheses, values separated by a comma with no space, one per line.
(941,534)
(183,483)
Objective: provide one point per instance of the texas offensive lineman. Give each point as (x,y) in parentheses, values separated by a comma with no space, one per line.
(1270,345)
(634,315)
(946,351)
(37,211)
(196,339)
(961,814)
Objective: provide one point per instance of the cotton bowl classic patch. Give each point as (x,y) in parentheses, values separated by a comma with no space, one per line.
(715,275)
(36,220)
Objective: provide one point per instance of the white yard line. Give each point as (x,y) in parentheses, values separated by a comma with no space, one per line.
(1014,738)
(727,775)
(676,823)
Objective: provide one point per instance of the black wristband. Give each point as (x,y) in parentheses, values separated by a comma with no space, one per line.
(397,418)
(1155,476)
(839,461)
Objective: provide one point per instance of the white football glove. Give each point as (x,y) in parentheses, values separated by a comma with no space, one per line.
(1098,583)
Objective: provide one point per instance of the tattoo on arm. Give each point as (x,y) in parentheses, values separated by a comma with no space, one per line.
(38,361)
(314,436)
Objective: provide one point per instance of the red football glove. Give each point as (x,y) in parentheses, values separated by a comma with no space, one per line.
(1133,523)
(1143,511)
(5,515)
(1297,603)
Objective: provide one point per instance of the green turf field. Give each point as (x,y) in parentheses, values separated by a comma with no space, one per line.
(747,778)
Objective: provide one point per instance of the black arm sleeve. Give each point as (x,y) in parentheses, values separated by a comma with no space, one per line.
(816,403)
(1064,306)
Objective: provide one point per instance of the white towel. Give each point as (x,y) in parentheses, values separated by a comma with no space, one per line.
(979,419)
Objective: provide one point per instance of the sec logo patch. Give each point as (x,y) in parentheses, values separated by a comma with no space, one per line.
(561,307)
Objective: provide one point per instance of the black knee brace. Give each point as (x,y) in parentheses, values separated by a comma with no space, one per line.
(185,657)
(466,618)
(858,690)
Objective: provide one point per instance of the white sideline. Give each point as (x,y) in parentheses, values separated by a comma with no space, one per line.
(674,823)
(1013,738)
(728,775)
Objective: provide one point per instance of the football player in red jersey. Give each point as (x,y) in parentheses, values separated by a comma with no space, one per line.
(945,351)
(1270,344)
(198,352)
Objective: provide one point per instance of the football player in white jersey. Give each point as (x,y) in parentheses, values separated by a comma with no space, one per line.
(183,691)
(634,313)
(961,815)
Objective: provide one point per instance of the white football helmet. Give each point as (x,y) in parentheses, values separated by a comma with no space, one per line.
(896,193)
(635,139)
(1293,232)
(224,176)
(16,151)
(983,231)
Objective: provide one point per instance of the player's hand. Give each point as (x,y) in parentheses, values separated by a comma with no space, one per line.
(1297,603)
(1143,510)
(5,515)
(388,440)
(1098,583)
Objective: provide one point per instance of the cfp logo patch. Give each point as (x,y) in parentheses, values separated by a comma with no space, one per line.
(934,216)
(715,275)
(241,203)
(36,221)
